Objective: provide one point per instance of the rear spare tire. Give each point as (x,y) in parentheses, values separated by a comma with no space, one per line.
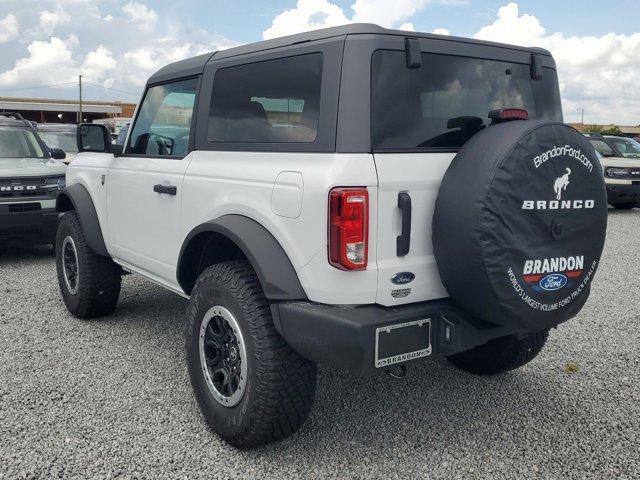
(520,223)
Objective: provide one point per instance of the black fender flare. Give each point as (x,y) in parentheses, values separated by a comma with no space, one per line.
(76,197)
(275,271)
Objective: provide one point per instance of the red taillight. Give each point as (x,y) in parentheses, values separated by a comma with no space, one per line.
(348,228)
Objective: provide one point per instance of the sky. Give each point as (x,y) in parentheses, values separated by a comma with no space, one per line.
(117,44)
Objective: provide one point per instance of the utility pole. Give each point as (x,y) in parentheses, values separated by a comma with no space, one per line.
(80,98)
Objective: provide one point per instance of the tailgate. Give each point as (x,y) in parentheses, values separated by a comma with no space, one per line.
(418,177)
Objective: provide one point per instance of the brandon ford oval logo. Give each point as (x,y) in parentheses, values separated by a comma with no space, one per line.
(554,281)
(403,278)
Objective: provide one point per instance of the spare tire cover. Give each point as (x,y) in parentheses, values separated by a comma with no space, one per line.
(520,224)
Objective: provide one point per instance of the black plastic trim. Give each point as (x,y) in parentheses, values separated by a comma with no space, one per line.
(403,243)
(275,271)
(76,197)
(537,71)
(344,336)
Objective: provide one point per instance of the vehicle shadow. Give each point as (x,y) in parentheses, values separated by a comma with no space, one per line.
(16,254)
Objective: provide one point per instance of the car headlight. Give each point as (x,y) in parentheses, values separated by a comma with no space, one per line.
(55,184)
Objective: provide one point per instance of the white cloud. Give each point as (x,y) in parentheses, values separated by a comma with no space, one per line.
(308,15)
(48,62)
(9,28)
(599,74)
(98,65)
(139,13)
(315,14)
(385,12)
(441,31)
(50,20)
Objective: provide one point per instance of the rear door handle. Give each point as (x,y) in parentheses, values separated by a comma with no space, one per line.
(404,239)
(165,189)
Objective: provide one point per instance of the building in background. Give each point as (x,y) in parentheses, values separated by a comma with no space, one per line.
(43,110)
(624,131)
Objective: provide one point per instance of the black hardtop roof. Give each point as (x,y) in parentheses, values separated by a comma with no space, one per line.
(195,65)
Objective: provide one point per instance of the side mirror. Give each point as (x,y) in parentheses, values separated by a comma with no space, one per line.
(93,137)
(58,154)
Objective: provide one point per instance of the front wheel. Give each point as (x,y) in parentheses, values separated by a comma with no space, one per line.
(251,386)
(89,283)
(501,354)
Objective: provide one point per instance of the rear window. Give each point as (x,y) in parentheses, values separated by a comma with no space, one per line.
(275,101)
(447,100)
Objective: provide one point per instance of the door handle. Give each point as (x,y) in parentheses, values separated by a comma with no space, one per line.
(165,189)
(404,239)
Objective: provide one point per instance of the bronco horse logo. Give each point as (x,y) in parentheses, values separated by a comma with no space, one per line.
(561,184)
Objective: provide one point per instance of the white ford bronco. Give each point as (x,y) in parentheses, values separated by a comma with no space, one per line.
(355,196)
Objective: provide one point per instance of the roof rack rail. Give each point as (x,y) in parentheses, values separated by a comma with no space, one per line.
(15,115)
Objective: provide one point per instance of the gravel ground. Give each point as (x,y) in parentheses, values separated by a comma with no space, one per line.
(111,398)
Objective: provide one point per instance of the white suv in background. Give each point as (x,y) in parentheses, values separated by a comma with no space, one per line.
(355,196)
(31,176)
(621,162)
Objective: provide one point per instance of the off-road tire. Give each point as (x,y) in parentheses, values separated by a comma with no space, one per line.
(500,355)
(99,278)
(281,384)
(624,206)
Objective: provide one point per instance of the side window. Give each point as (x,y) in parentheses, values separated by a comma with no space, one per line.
(163,125)
(275,101)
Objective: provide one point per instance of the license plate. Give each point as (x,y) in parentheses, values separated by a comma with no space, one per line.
(402,342)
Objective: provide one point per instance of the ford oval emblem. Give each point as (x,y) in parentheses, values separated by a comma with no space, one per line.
(403,278)
(554,281)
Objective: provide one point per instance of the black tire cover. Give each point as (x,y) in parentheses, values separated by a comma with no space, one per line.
(520,224)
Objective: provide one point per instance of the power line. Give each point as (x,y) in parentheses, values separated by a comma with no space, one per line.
(39,86)
(112,89)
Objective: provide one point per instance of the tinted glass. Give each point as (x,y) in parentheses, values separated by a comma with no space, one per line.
(276,101)
(19,143)
(446,101)
(627,147)
(163,124)
(602,148)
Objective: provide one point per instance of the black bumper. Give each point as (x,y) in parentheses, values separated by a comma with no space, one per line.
(345,337)
(621,193)
(24,224)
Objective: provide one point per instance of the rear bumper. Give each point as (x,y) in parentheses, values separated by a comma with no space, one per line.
(623,193)
(345,337)
(21,223)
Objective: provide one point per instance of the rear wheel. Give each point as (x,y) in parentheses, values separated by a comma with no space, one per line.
(624,206)
(251,386)
(500,355)
(89,283)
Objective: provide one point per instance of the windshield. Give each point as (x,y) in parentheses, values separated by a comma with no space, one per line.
(445,102)
(18,142)
(602,148)
(63,140)
(627,147)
